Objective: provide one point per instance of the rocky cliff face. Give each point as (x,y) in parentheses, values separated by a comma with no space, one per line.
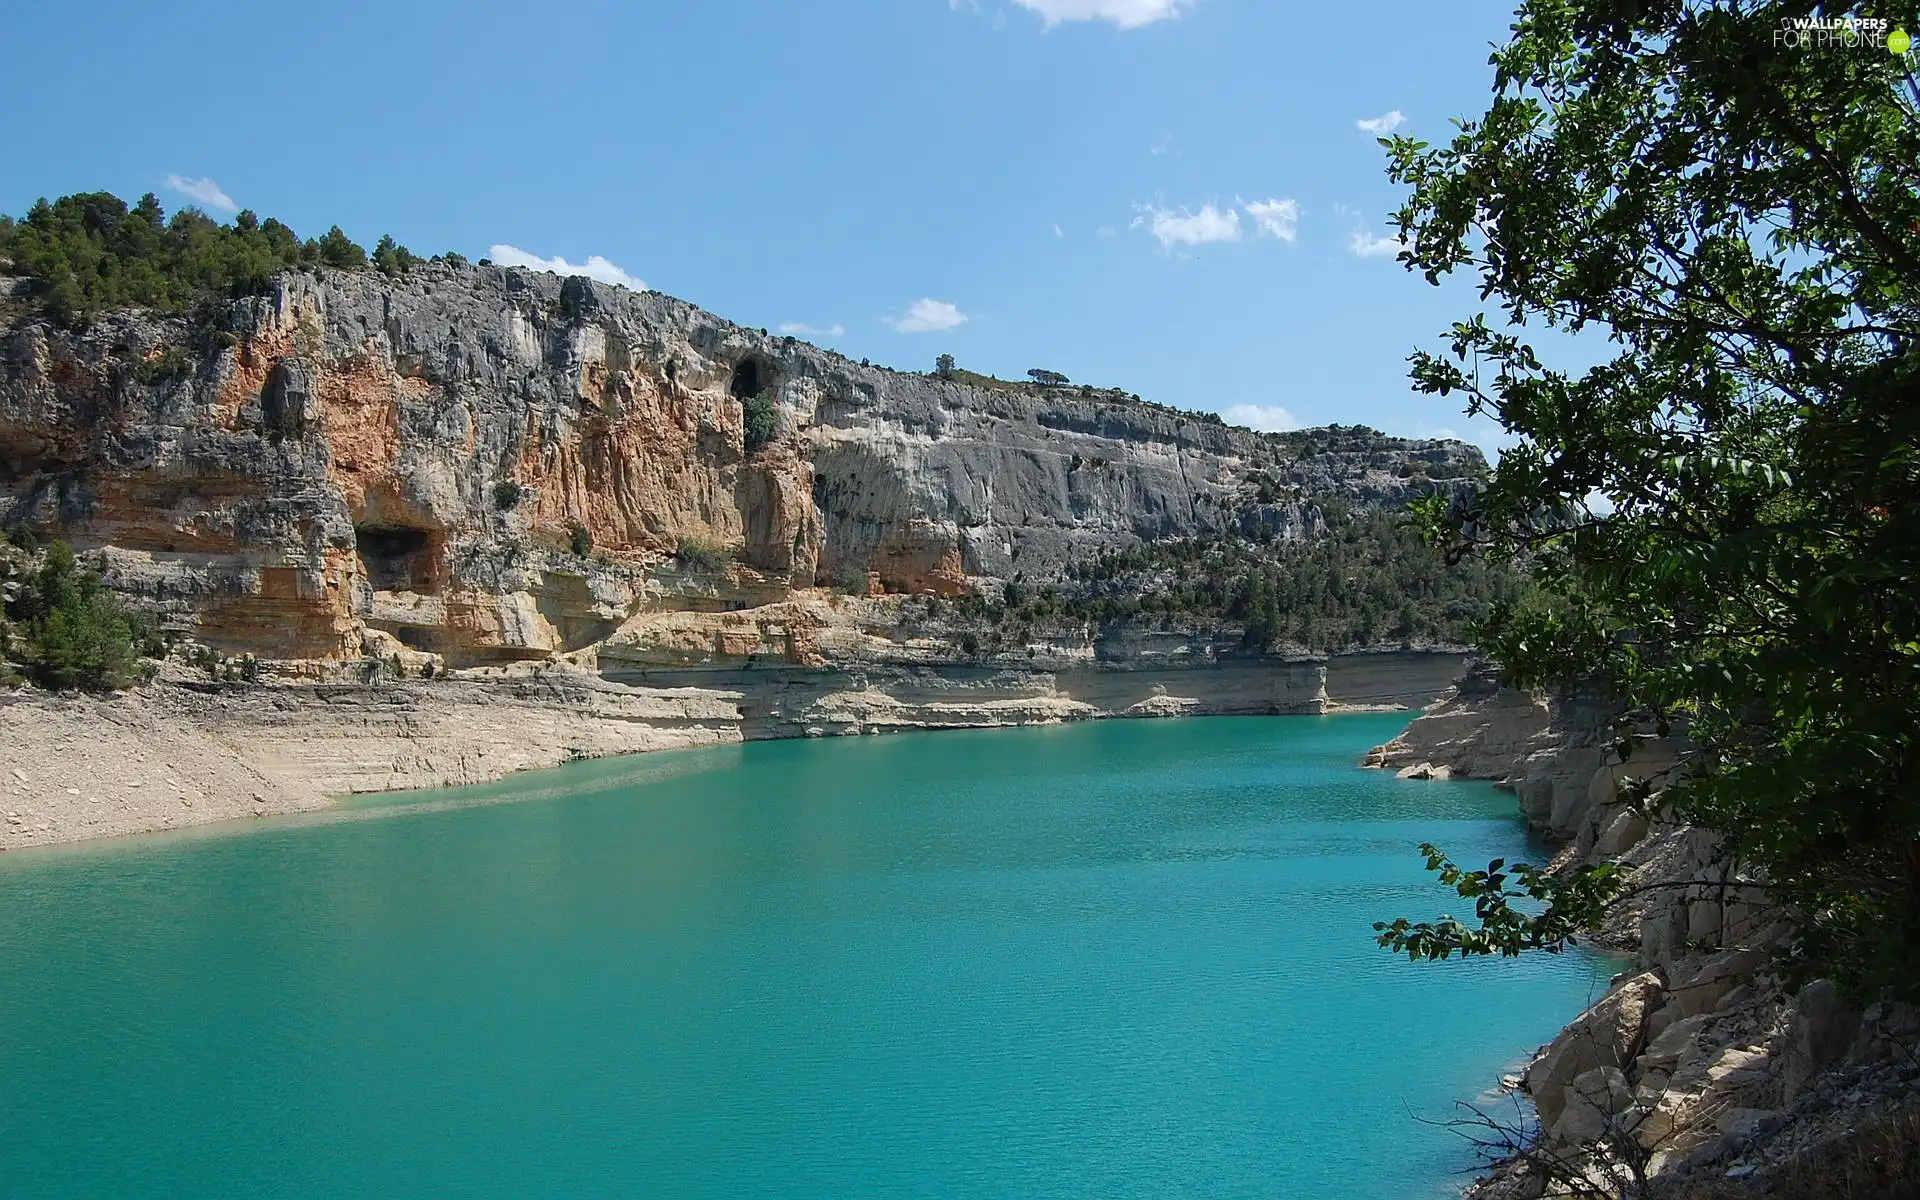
(353,465)
(1698,1064)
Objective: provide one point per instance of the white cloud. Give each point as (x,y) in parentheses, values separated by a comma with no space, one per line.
(1106,231)
(800,329)
(1127,14)
(1268,418)
(1374,245)
(1185,228)
(1384,123)
(1279,217)
(928,316)
(1057,231)
(595,267)
(206,191)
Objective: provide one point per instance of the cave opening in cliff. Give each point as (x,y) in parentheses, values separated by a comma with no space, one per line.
(397,557)
(746,380)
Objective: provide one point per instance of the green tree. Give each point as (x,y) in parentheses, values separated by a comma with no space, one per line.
(1046,378)
(336,249)
(392,259)
(70,631)
(943,366)
(1739,219)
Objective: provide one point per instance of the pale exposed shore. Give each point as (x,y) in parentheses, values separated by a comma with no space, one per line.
(173,754)
(89,767)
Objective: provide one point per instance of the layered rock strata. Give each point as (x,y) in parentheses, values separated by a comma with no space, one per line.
(493,465)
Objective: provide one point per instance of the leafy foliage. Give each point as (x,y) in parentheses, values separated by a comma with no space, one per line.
(943,366)
(758,421)
(1739,220)
(89,252)
(1566,907)
(506,494)
(580,541)
(1046,378)
(68,631)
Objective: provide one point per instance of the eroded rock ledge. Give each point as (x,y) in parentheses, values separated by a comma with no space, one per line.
(1697,1066)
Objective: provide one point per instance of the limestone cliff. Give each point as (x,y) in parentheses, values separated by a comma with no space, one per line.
(354,460)
(475,519)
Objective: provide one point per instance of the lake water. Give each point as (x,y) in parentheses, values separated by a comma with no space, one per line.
(1106,960)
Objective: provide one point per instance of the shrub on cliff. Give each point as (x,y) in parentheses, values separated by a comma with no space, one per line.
(1737,216)
(67,631)
(89,252)
(699,554)
(758,421)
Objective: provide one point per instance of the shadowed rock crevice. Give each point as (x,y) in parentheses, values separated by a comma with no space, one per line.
(396,558)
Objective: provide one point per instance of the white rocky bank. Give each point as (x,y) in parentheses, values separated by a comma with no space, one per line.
(1697,1064)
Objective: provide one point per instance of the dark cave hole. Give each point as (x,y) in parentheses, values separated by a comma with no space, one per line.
(396,557)
(746,380)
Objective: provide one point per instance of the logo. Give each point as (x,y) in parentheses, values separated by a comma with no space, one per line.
(1844,33)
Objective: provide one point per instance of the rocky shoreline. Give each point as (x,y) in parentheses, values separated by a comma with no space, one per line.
(1699,1074)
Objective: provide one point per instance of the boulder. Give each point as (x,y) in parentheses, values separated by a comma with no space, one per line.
(1620,833)
(1609,1034)
(1820,1030)
(1589,1105)
(1668,1043)
(1701,987)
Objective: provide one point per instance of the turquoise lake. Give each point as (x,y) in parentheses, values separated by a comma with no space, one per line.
(1120,959)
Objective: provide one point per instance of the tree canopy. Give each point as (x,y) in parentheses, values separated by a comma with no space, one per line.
(90,252)
(1725,511)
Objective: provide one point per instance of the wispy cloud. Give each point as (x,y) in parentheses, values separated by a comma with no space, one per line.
(927,315)
(799,329)
(1057,231)
(595,267)
(1374,245)
(1268,418)
(1383,124)
(1127,14)
(203,190)
(1279,217)
(1186,228)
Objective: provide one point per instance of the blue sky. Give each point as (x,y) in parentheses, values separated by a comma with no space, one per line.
(1169,196)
